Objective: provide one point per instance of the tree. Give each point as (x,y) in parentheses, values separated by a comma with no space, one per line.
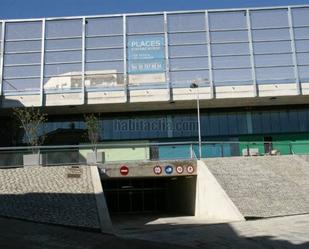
(30,120)
(93,129)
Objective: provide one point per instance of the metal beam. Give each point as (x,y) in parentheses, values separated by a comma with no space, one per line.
(211,83)
(83,59)
(2,56)
(293,48)
(42,62)
(251,49)
(125,75)
(159,13)
(167,66)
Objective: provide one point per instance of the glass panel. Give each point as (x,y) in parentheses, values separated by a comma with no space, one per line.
(270,74)
(231,61)
(104,26)
(303,58)
(186,22)
(104,80)
(63,28)
(227,36)
(227,49)
(232,75)
(302,46)
(303,73)
(301,33)
(271,35)
(29,58)
(23,30)
(188,63)
(187,77)
(18,46)
(145,24)
(66,56)
(21,84)
(101,42)
(300,16)
(228,20)
(61,69)
(275,59)
(104,54)
(187,38)
(75,43)
(105,67)
(188,50)
(269,18)
(24,71)
(62,83)
(271,47)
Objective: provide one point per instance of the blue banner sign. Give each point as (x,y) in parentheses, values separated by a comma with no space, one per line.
(146,66)
(146,54)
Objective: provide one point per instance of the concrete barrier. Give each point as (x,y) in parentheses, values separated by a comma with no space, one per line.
(212,202)
(104,217)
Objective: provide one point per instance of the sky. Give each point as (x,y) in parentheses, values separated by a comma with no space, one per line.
(15,9)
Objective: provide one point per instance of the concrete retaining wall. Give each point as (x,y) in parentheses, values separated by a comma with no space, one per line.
(211,201)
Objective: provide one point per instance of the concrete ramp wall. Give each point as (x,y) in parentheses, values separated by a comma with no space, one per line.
(265,186)
(211,200)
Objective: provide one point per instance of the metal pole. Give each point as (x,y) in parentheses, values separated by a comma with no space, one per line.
(84,33)
(42,62)
(199,123)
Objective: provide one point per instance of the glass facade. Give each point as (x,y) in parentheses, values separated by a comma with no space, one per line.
(158,50)
(217,125)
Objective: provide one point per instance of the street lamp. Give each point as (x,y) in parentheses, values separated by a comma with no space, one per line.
(195,85)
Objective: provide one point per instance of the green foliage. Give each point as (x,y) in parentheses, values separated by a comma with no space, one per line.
(30,120)
(93,129)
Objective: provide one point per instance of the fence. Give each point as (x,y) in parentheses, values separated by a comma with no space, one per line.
(78,154)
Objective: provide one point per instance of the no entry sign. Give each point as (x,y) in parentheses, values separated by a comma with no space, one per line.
(157,170)
(179,169)
(124,170)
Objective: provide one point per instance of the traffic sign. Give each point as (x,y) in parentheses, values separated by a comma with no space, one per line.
(179,169)
(190,169)
(124,170)
(157,170)
(168,169)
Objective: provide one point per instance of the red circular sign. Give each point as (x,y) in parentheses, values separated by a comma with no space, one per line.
(190,169)
(179,169)
(157,170)
(124,170)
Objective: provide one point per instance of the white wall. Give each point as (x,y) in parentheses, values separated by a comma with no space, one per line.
(212,202)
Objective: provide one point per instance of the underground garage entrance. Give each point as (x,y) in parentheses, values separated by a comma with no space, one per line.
(166,196)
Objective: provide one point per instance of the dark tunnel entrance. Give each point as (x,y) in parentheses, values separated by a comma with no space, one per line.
(152,195)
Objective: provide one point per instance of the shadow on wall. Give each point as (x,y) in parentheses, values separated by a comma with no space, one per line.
(70,209)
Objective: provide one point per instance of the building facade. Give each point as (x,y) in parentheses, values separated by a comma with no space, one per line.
(251,67)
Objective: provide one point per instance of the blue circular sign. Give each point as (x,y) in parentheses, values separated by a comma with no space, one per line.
(168,169)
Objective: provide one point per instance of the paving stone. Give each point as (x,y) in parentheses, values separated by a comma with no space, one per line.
(46,194)
(264,186)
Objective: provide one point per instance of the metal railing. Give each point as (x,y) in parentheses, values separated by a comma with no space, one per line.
(143,151)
